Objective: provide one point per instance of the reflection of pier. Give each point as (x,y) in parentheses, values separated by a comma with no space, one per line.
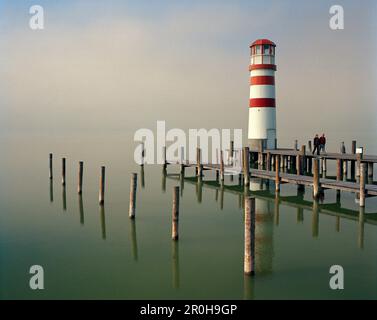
(299,203)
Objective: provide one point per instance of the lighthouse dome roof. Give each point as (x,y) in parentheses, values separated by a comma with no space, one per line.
(262,41)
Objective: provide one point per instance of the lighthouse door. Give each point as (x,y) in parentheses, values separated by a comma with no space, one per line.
(271,138)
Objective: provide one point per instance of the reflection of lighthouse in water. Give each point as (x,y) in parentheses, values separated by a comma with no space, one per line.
(263,233)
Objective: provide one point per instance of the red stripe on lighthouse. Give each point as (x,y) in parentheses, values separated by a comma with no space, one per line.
(262,80)
(262,66)
(262,103)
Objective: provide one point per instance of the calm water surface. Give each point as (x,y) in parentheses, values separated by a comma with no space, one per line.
(89,252)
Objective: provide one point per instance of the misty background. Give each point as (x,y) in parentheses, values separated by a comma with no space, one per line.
(117,66)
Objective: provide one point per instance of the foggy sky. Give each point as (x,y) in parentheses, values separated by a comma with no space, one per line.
(115,66)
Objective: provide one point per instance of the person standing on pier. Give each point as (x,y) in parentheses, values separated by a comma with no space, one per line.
(316,144)
(322,143)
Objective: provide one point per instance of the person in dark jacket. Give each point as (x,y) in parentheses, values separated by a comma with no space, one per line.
(322,143)
(316,144)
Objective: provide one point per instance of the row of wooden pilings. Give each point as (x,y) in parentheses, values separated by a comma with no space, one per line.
(133,190)
(249,206)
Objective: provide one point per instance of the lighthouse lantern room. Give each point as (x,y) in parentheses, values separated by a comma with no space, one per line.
(262,106)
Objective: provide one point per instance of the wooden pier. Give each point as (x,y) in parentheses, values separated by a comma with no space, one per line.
(297,167)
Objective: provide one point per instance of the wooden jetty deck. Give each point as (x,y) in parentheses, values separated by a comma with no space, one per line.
(293,166)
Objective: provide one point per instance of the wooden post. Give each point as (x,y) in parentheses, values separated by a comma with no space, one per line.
(222,173)
(63,171)
(315,219)
(324,164)
(102,186)
(359,156)
(310,164)
(199,167)
(303,155)
(246,172)
(50,166)
(81,172)
(164,157)
(231,151)
(249,246)
(353,150)
(81,209)
(362,183)
(175,213)
(268,166)
(316,186)
(133,188)
(142,154)
(277,176)
(299,164)
(338,169)
(345,167)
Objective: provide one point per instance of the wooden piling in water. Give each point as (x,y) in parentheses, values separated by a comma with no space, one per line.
(338,169)
(81,173)
(268,165)
(310,146)
(175,214)
(50,174)
(277,175)
(249,245)
(199,166)
(316,186)
(359,157)
(362,183)
(102,186)
(63,171)
(165,163)
(231,151)
(299,164)
(303,155)
(133,188)
(353,150)
(246,172)
(222,170)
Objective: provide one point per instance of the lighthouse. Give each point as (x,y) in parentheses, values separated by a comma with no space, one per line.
(262,105)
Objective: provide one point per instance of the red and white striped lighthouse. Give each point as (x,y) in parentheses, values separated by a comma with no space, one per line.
(262,106)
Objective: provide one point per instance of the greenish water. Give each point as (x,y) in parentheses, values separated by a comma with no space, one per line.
(87,252)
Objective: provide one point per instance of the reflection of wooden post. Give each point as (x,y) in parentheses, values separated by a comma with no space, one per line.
(134,240)
(51,191)
(361,227)
(362,183)
(81,171)
(102,186)
(246,172)
(133,188)
(103,221)
(277,211)
(337,224)
(64,198)
(315,219)
(50,166)
(63,171)
(165,164)
(81,209)
(249,258)
(316,179)
(175,264)
(175,213)
(277,175)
